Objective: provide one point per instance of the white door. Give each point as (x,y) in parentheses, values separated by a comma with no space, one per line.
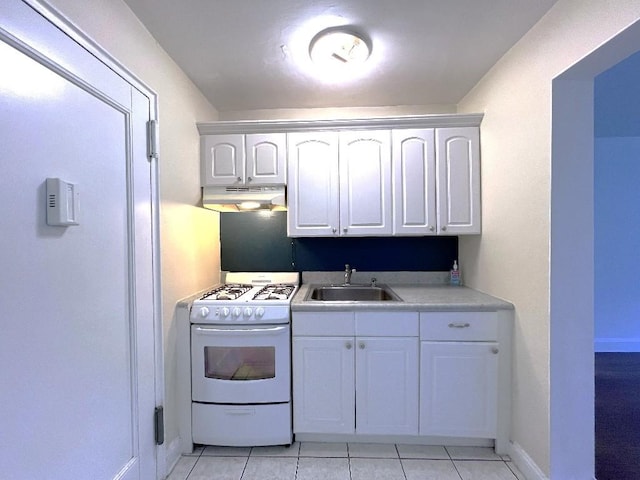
(414,182)
(77,389)
(459,389)
(323,385)
(222,158)
(458,166)
(387,386)
(312,184)
(365,183)
(266,158)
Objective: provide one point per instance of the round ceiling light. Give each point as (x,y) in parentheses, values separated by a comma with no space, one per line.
(339,46)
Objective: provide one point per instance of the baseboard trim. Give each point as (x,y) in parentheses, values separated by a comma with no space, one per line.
(612,344)
(525,463)
(173,451)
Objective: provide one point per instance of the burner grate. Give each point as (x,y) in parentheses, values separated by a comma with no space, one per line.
(229,291)
(279,291)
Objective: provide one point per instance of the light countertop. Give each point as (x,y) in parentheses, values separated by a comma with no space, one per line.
(426,292)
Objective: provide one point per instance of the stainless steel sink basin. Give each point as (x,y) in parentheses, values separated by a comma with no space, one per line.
(351,293)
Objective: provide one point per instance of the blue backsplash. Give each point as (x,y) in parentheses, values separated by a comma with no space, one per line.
(258,242)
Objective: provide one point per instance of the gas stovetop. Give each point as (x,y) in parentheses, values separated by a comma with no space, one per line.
(248,298)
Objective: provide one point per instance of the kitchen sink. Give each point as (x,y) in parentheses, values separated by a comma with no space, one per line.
(351,293)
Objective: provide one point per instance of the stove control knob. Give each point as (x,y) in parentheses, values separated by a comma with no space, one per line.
(259,312)
(247,312)
(235,312)
(204,311)
(224,312)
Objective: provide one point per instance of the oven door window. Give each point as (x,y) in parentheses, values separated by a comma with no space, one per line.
(240,363)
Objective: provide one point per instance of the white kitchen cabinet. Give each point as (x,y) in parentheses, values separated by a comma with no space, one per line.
(464,375)
(365,183)
(355,373)
(313,191)
(459,389)
(323,378)
(387,385)
(436,183)
(339,183)
(243,160)
(458,177)
(414,182)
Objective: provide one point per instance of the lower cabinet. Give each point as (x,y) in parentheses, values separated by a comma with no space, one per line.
(459,389)
(323,379)
(362,384)
(427,374)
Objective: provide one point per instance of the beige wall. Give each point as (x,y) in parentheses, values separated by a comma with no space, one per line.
(189,236)
(511,259)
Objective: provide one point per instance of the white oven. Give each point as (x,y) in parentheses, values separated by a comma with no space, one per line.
(240,364)
(241,361)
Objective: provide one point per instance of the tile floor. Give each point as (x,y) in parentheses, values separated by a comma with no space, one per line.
(342,461)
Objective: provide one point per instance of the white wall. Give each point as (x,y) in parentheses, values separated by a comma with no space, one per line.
(512,257)
(189,235)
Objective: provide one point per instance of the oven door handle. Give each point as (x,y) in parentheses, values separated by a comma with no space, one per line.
(235,331)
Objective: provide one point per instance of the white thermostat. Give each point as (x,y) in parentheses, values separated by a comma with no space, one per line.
(62,203)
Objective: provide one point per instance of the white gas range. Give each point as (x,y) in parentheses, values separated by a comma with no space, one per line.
(247,298)
(240,361)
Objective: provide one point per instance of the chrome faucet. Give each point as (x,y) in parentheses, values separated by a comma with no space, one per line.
(347,274)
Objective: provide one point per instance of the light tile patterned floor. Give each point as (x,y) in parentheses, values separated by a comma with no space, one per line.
(342,461)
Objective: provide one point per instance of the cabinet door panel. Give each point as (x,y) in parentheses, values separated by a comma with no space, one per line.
(323,379)
(458,389)
(414,182)
(266,159)
(313,184)
(222,160)
(365,183)
(458,163)
(386,386)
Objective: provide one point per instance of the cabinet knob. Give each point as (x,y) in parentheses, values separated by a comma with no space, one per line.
(334,230)
(239,179)
(432,228)
(494,350)
(444,228)
(344,230)
(249,179)
(361,346)
(348,345)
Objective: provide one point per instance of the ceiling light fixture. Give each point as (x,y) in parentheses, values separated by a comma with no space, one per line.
(338,46)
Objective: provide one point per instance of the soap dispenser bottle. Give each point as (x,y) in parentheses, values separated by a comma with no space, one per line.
(455,274)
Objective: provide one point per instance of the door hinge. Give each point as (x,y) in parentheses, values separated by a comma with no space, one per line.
(152,139)
(158,418)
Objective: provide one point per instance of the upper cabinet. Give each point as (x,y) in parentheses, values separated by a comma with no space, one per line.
(339,183)
(374,177)
(414,182)
(313,190)
(237,159)
(436,181)
(458,167)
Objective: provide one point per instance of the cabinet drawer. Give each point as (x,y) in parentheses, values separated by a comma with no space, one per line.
(387,324)
(326,324)
(458,326)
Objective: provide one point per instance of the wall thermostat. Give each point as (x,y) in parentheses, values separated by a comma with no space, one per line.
(62,203)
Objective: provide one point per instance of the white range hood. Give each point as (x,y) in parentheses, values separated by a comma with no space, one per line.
(244,199)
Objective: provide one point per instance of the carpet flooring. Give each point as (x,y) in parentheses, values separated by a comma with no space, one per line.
(617,416)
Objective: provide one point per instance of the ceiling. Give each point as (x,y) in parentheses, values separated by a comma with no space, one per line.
(253,54)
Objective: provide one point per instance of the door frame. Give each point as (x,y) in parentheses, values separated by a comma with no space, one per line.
(76,34)
(572,435)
